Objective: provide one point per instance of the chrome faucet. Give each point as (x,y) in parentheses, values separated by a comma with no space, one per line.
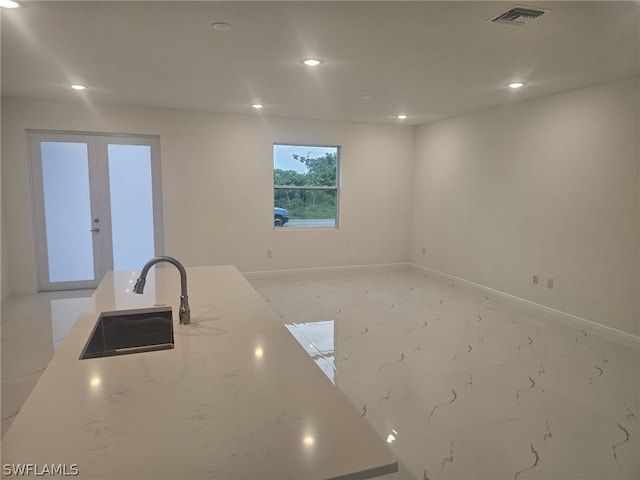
(185,312)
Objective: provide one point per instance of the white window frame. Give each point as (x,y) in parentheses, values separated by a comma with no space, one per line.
(335,189)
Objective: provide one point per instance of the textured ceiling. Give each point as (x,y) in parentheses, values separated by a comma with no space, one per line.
(430,60)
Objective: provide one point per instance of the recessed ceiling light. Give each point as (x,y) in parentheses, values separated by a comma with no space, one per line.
(312,62)
(9,4)
(221,26)
(257,106)
(77,86)
(516,84)
(401,117)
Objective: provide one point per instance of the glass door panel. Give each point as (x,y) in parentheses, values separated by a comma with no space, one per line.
(131,201)
(97,206)
(67,236)
(67,201)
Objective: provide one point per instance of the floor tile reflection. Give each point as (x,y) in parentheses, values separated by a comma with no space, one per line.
(317,340)
(459,385)
(462,386)
(32,328)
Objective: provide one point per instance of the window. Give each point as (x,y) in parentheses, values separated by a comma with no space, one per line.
(305,186)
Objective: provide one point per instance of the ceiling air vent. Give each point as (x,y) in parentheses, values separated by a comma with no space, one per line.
(518,15)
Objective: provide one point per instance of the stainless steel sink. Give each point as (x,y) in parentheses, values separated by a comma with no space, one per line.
(130,331)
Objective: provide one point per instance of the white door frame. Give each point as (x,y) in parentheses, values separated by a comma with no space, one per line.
(100,200)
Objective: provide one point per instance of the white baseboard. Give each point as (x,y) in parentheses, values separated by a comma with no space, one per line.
(344,268)
(567,319)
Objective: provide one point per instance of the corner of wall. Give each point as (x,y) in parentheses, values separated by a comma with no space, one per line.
(498,215)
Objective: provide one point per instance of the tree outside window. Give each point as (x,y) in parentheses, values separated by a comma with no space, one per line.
(305,180)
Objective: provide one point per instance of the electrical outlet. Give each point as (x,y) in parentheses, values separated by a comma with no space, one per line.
(268,253)
(535,280)
(549,282)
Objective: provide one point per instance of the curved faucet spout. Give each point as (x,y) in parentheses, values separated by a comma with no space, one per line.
(185,312)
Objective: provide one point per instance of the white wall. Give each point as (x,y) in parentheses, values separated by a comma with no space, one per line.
(548,187)
(217,185)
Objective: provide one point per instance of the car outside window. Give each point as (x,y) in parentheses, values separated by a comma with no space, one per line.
(305,186)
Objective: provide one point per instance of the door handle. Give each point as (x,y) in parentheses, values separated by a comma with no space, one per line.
(95,230)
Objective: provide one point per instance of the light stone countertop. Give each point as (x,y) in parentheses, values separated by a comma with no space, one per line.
(237,398)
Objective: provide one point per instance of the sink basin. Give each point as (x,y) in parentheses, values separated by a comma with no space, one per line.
(130,331)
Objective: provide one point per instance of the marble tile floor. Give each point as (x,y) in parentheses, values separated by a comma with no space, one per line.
(462,386)
(31,329)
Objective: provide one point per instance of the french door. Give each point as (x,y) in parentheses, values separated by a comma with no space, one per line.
(97,205)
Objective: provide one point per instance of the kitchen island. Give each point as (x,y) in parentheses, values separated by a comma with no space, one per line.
(236,398)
